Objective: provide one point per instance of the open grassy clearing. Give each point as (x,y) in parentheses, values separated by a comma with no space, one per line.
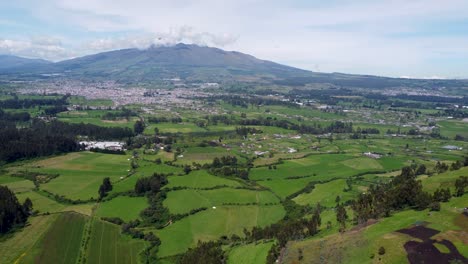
(125,207)
(199,179)
(80,173)
(249,254)
(183,201)
(213,223)
(61,242)
(107,245)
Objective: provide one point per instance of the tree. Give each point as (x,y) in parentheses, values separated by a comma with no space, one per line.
(341,216)
(187,169)
(12,213)
(381,251)
(139,127)
(27,206)
(421,169)
(105,187)
(460,185)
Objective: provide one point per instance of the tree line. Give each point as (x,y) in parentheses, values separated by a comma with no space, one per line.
(48,138)
(12,213)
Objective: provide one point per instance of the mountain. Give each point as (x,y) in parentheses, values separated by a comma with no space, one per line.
(8,62)
(189,62)
(195,63)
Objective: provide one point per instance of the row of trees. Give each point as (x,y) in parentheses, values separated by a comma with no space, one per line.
(403,191)
(16,103)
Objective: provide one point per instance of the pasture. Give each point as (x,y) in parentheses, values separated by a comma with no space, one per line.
(80,173)
(251,253)
(183,201)
(326,193)
(107,245)
(199,179)
(16,247)
(61,242)
(213,223)
(125,207)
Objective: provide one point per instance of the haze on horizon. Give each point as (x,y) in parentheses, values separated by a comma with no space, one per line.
(422,39)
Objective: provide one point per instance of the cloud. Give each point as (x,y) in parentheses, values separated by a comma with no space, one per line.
(184,34)
(388,37)
(38,47)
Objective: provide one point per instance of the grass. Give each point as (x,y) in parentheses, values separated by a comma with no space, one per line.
(107,245)
(145,169)
(40,202)
(357,246)
(213,223)
(61,242)
(451,128)
(80,173)
(326,193)
(183,201)
(326,166)
(15,248)
(443,180)
(249,254)
(202,155)
(124,207)
(200,179)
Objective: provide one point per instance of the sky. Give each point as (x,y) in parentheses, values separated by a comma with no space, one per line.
(397,38)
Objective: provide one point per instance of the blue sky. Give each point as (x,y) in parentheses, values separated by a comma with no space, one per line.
(411,38)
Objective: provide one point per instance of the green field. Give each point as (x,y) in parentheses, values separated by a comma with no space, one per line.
(107,245)
(326,193)
(81,173)
(124,207)
(17,247)
(200,179)
(61,242)
(326,166)
(183,201)
(213,223)
(249,254)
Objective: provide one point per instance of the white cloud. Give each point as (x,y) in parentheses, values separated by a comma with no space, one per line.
(49,48)
(182,35)
(347,36)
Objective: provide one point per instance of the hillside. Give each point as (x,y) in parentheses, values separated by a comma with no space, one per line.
(193,63)
(8,62)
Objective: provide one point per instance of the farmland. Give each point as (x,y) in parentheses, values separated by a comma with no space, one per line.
(238,176)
